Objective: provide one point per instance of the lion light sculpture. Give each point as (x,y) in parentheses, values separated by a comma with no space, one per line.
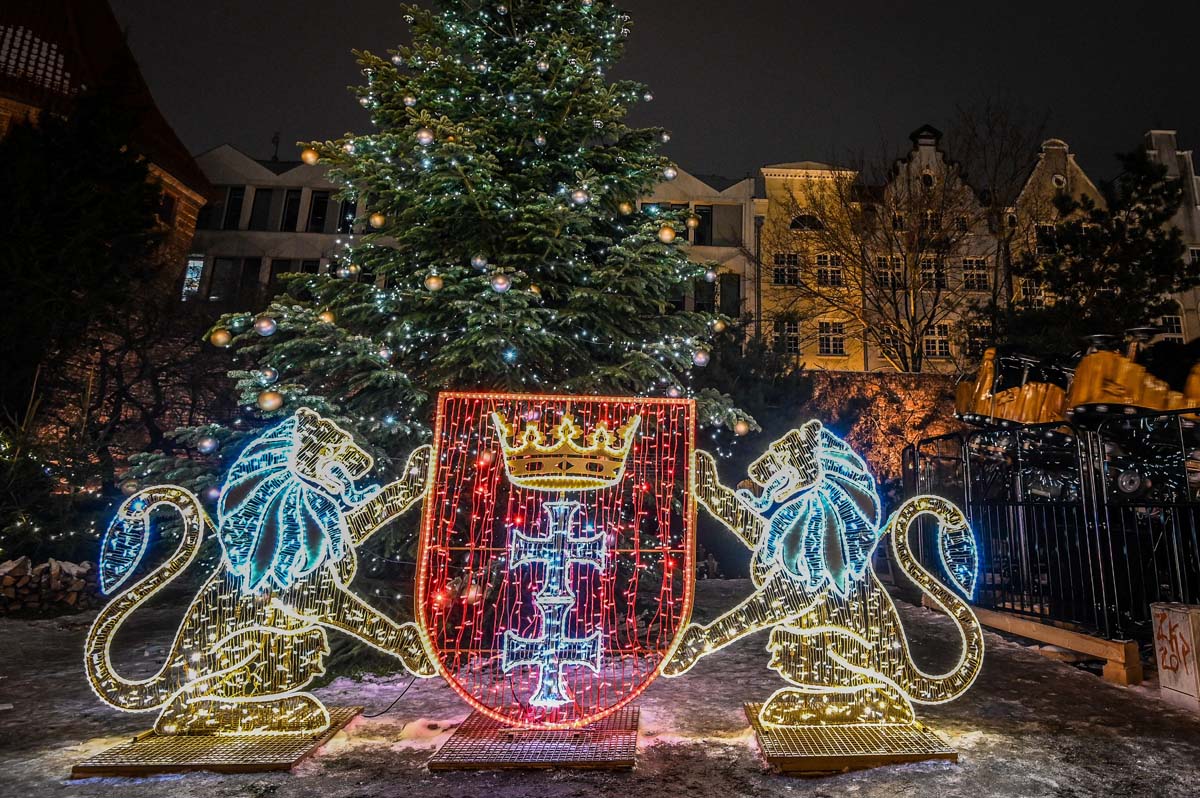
(813,522)
(289,521)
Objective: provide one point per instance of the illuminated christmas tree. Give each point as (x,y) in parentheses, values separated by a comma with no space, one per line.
(503,244)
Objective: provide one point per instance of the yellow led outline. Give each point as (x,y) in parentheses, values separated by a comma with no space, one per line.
(807,643)
(239,662)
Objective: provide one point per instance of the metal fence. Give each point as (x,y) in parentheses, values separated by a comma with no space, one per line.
(1080,526)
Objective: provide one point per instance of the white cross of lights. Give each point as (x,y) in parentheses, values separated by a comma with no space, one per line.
(554,650)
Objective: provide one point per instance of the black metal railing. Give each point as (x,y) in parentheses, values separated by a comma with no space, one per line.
(1078,525)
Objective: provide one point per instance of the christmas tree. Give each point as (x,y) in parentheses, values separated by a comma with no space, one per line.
(502,245)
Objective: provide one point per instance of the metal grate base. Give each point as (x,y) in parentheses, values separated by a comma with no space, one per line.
(151,754)
(834,749)
(481,743)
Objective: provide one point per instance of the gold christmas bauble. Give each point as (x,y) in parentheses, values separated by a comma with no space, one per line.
(533,289)
(693,222)
(270,401)
(310,156)
(719,326)
(327,316)
(666,234)
(377,220)
(434,283)
(220,337)
(625,208)
(741,428)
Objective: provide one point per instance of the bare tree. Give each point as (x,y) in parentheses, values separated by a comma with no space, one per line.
(893,251)
(996,140)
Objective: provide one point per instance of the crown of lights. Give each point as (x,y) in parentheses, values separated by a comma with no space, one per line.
(562,463)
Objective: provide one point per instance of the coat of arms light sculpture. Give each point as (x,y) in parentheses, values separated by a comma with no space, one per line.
(289,520)
(557,546)
(813,522)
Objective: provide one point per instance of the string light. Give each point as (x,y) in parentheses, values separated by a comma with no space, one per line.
(556,554)
(813,524)
(254,636)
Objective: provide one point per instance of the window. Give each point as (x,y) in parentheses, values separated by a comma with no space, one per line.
(789,335)
(829,271)
(279,266)
(975,274)
(731,295)
(933,273)
(807,221)
(962,224)
(705,296)
(703,234)
(260,210)
(1172,328)
(1194,255)
(192,272)
(249,287)
(898,222)
(979,338)
(1047,239)
(310,266)
(937,341)
(318,211)
(831,338)
(727,226)
(233,208)
(346,216)
(1033,294)
(787,269)
(291,211)
(931,222)
(889,271)
(221,287)
(891,344)
(928,181)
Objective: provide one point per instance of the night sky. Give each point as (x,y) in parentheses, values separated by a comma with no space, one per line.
(740,84)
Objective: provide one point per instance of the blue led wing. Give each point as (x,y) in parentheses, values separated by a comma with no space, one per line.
(125,542)
(960,557)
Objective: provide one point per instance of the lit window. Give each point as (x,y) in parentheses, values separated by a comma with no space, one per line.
(933,273)
(937,341)
(975,274)
(192,272)
(889,271)
(831,338)
(829,271)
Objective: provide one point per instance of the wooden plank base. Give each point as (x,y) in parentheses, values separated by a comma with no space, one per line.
(1122,659)
(152,754)
(482,743)
(820,750)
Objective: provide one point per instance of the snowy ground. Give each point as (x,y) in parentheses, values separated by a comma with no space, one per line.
(1029,727)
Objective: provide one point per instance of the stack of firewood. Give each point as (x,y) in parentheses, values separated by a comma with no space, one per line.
(52,585)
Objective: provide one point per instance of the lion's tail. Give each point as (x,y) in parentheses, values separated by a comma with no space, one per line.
(920,686)
(125,543)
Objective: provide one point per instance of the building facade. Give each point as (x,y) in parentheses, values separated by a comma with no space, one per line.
(52,50)
(1162,147)
(722,235)
(267,218)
